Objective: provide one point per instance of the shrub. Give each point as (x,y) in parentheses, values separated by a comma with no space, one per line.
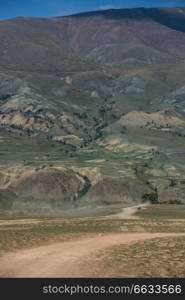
(151,197)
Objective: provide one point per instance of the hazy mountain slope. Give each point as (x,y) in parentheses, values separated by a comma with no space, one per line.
(102,92)
(52,62)
(143,27)
(61,41)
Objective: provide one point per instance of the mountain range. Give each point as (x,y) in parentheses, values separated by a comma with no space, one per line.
(97,101)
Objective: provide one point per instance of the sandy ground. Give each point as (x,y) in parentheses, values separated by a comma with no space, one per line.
(19,222)
(96,160)
(128,213)
(67,259)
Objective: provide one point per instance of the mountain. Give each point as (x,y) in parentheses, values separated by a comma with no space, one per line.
(98,94)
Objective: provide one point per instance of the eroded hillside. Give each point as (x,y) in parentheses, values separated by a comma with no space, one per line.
(92,109)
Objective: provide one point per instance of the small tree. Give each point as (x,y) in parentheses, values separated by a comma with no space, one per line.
(151,197)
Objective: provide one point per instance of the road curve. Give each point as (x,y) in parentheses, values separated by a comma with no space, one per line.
(65,260)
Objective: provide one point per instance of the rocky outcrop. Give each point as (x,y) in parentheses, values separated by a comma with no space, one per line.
(49,186)
(108,191)
(119,144)
(113,190)
(172,195)
(158,120)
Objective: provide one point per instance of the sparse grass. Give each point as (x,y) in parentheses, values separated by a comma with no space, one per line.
(31,150)
(18,235)
(162,257)
(20,238)
(163,211)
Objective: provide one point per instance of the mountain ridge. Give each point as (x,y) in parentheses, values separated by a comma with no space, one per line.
(101,91)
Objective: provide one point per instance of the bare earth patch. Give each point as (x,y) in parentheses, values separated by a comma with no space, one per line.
(128,212)
(20,221)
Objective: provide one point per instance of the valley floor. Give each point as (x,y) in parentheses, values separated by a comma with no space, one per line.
(94,247)
(69,259)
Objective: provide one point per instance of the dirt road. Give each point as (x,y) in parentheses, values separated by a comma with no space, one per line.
(129,212)
(67,259)
(19,222)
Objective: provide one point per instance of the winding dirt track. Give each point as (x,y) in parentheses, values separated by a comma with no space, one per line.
(67,259)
